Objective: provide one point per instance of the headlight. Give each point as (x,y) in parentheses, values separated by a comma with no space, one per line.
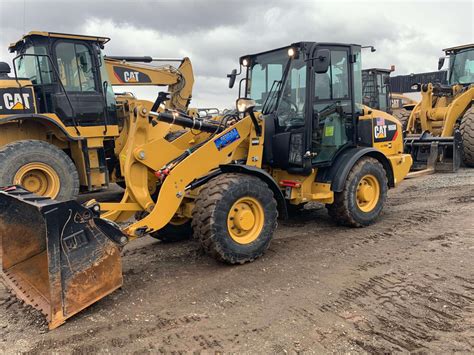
(244,104)
(291,52)
(245,62)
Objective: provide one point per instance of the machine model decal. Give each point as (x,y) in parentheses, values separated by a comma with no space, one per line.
(384,130)
(125,75)
(227,139)
(16,100)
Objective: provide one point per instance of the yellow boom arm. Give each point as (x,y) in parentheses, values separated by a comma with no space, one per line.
(180,80)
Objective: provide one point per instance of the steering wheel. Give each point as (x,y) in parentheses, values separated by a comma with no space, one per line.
(290,103)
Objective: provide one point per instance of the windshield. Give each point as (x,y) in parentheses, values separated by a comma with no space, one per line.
(34,65)
(265,76)
(461,68)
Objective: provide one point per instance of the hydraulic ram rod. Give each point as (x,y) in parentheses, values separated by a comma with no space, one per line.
(180,120)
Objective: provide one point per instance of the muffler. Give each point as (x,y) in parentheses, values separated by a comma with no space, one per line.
(58,257)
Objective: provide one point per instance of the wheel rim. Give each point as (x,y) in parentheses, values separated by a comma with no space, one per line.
(179,221)
(245,220)
(368,193)
(38,178)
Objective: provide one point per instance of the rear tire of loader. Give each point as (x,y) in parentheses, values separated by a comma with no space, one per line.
(363,197)
(45,169)
(403,116)
(467,134)
(235,217)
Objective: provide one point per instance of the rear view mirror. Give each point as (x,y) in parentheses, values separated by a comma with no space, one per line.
(441,62)
(321,61)
(232,77)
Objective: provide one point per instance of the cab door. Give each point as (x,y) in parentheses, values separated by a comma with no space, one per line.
(332,105)
(81,101)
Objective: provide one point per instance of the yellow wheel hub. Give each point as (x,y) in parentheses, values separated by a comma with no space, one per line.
(38,178)
(368,193)
(179,221)
(245,220)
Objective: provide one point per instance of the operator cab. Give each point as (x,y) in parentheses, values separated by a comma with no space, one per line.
(376,88)
(68,75)
(307,93)
(461,64)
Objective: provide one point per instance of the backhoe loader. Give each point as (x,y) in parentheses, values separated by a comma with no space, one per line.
(440,129)
(62,129)
(299,134)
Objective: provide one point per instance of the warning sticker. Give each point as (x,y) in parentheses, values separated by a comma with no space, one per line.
(329,131)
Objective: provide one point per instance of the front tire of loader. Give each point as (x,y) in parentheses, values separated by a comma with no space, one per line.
(467,134)
(234,218)
(363,197)
(39,167)
(403,116)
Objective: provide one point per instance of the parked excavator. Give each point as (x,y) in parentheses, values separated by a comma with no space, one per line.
(440,129)
(299,134)
(62,128)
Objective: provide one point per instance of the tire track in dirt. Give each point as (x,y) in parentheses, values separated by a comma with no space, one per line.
(405,314)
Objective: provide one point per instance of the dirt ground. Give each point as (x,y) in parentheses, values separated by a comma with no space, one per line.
(404,284)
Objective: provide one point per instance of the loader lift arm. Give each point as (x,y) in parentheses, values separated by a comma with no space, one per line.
(132,71)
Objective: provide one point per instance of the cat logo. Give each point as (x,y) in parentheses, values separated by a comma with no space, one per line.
(16,101)
(131,76)
(127,76)
(380,132)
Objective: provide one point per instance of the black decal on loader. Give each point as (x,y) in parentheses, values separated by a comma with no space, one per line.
(16,100)
(131,76)
(384,130)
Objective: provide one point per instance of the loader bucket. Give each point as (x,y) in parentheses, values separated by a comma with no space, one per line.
(439,154)
(58,257)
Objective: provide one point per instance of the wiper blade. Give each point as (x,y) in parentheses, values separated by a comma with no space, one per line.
(271,96)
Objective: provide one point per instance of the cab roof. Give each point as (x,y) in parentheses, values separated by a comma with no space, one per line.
(14,46)
(301,44)
(458,48)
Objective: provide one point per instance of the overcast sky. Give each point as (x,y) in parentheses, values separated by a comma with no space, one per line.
(408,34)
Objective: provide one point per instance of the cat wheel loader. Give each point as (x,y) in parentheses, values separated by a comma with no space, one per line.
(378,94)
(299,134)
(62,129)
(440,129)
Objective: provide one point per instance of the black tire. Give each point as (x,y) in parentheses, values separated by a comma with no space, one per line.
(467,134)
(15,155)
(212,209)
(172,233)
(345,209)
(403,116)
(121,184)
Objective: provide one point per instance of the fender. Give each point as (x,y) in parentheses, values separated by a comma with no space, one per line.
(266,177)
(39,118)
(337,173)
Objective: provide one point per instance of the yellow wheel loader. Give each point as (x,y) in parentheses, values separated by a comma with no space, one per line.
(299,134)
(440,129)
(377,93)
(62,129)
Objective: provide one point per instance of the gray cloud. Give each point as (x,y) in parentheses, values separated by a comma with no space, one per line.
(214,34)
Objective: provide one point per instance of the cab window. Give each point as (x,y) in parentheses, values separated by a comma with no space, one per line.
(334,84)
(75,67)
(291,107)
(35,66)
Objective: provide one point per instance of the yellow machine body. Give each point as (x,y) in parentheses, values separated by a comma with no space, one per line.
(89,142)
(225,179)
